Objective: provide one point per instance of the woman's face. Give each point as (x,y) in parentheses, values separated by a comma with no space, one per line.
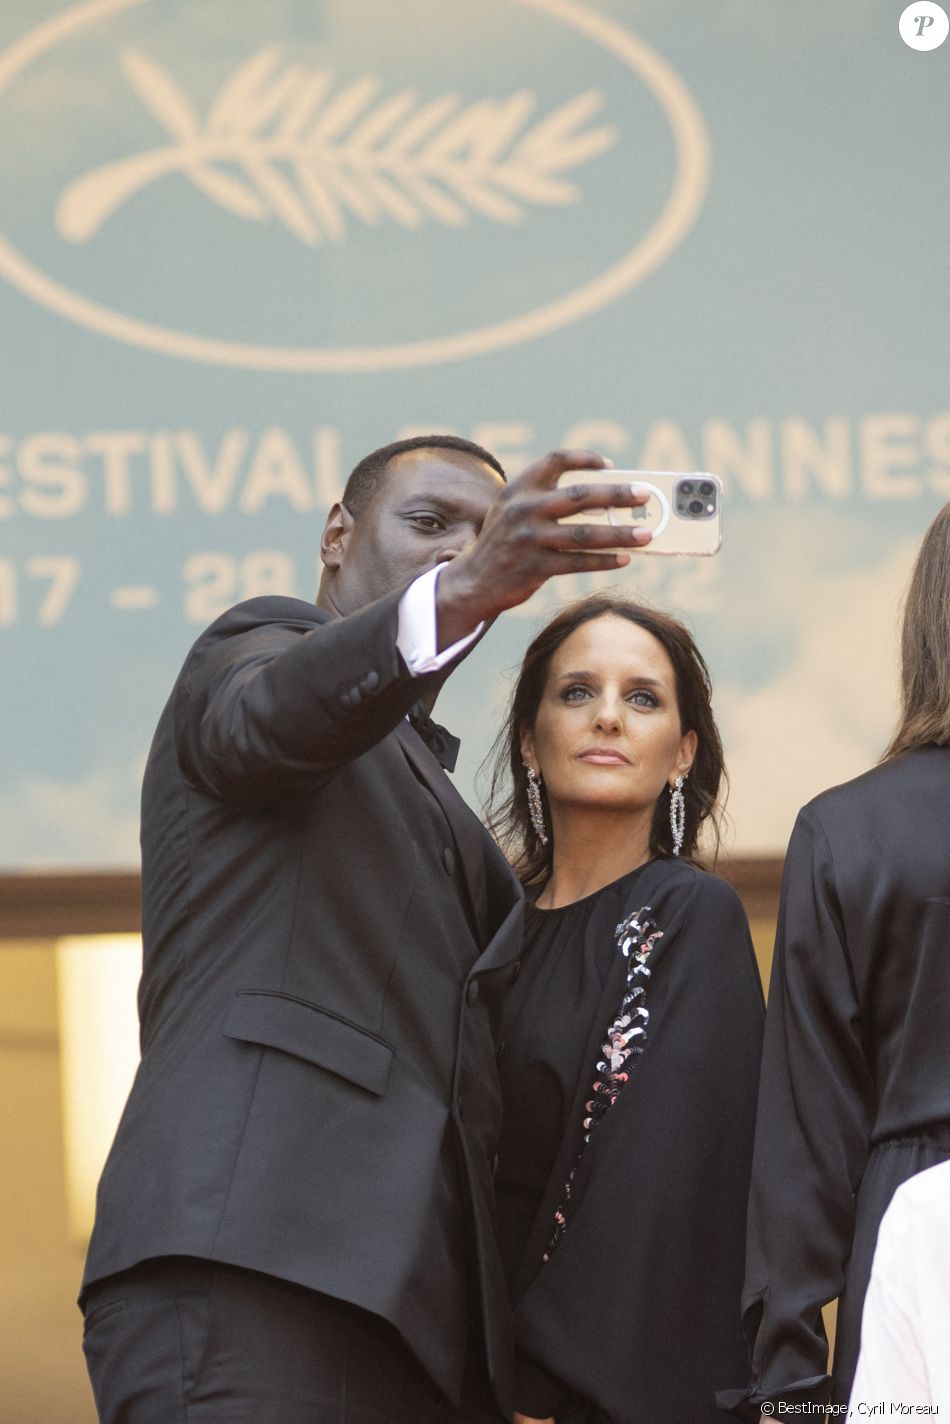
(607,732)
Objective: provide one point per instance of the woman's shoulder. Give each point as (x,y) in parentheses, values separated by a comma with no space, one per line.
(685,890)
(703,938)
(876,817)
(902,775)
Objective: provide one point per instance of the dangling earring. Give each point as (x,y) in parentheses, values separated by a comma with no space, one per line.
(677,814)
(535,809)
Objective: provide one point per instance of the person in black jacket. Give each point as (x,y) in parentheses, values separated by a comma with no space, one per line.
(294,1224)
(855,1093)
(632,1036)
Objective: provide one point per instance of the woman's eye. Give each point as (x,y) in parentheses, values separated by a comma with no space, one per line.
(577,692)
(641,698)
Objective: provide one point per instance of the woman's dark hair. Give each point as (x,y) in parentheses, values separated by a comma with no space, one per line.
(508,815)
(925,646)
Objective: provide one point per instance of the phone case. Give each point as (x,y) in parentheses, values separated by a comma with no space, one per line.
(684,511)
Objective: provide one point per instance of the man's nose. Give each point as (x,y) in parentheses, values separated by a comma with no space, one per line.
(461,543)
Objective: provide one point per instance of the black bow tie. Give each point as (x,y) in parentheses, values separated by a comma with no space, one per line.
(443,746)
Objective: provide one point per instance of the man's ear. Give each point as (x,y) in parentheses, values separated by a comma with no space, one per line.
(336,533)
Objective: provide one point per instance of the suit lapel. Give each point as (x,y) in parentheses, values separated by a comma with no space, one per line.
(466,831)
(505,907)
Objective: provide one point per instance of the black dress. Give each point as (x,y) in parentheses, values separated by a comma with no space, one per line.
(855,1094)
(623,1174)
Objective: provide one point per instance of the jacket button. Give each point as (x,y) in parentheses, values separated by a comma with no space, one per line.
(356,696)
(473,991)
(515,971)
(448,860)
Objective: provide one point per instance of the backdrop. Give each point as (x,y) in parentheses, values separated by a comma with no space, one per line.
(241,245)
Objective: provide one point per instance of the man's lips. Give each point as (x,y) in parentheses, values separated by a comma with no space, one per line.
(604,756)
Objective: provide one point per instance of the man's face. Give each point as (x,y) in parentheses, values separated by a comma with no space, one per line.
(430,506)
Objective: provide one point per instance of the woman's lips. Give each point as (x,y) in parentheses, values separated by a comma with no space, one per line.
(603,757)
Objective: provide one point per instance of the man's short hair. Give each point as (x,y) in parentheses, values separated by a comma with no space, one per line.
(366,477)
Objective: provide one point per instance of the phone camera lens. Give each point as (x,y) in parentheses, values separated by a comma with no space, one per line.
(686,486)
(696,506)
(707,488)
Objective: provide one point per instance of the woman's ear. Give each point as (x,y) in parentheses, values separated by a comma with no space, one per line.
(686,756)
(527,749)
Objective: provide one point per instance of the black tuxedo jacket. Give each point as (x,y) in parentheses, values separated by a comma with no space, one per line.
(328,931)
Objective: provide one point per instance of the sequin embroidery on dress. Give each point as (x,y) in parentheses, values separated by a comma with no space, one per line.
(636,935)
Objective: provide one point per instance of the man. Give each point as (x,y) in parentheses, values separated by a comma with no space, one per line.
(294,1224)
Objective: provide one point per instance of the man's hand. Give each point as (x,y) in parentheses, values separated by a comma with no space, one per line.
(522,545)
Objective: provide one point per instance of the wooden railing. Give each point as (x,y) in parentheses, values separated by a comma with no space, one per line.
(42,905)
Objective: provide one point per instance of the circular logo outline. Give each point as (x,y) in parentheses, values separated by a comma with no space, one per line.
(662,501)
(923,43)
(677,216)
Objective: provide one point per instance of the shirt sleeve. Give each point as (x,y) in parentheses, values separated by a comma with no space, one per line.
(814,1116)
(273,700)
(417,635)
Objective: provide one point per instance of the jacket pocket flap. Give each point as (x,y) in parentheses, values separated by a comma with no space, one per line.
(314,1034)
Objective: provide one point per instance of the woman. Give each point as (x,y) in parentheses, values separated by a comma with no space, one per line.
(855,1094)
(631,1036)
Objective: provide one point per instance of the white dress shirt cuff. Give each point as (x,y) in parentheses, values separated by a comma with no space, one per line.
(417,635)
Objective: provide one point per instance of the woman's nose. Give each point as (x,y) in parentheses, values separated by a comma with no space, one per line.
(607,713)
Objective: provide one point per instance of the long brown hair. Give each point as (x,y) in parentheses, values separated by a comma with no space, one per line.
(925,646)
(508,815)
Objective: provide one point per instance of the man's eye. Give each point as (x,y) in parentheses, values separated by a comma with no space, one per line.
(429,522)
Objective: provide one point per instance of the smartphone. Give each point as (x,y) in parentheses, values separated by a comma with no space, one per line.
(683,513)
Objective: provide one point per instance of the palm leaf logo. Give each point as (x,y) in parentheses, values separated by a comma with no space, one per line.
(279,144)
